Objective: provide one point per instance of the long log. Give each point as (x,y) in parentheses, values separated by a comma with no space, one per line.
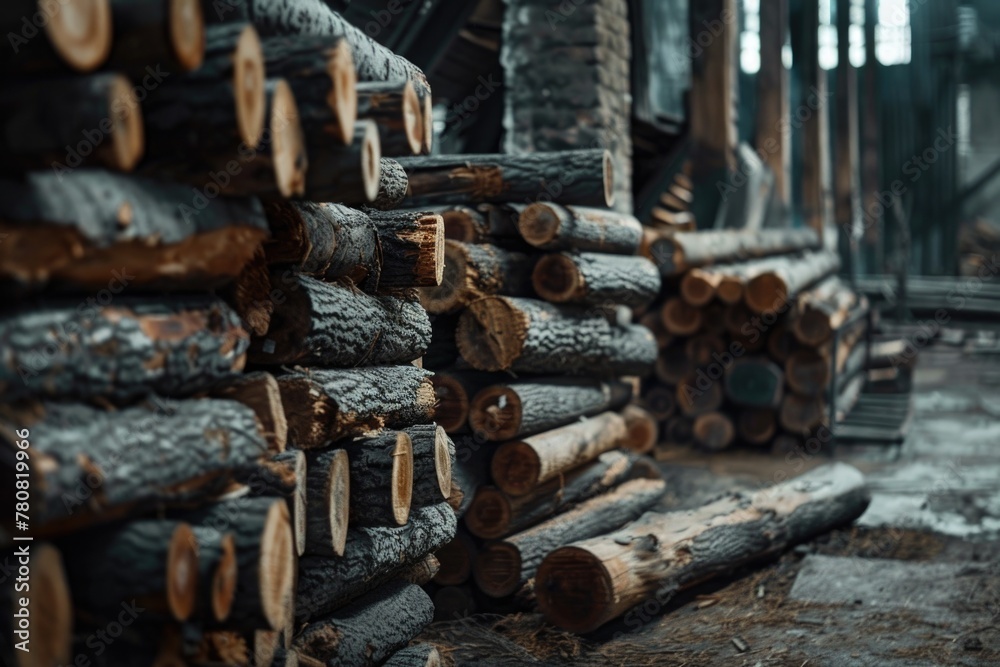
(369,630)
(394,107)
(494,514)
(582,177)
(507,333)
(65,123)
(121,351)
(259,392)
(549,226)
(151,562)
(346,174)
(75,35)
(81,228)
(381,469)
(328,493)
(100,466)
(503,567)
(474,271)
(415,655)
(336,325)
(757,426)
(676,253)
(326,405)
(372,556)
(714,431)
(454,391)
(755,382)
(822,310)
(48,605)
(392,185)
(582,586)
(217,573)
(506,411)
(642,430)
(157,33)
(433,452)
(284,476)
(412,244)
(784,280)
(596,279)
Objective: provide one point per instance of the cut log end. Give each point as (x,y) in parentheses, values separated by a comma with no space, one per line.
(696,289)
(447,295)
(540,223)
(477,335)
(427,119)
(516,468)
(277,567)
(497,569)
(496,411)
(452,407)
(578,589)
(402,479)
(556,278)
(730,290)
(81,33)
(766,292)
(609,180)
(489,515)
(339,493)
(431,264)
(813,327)
(289,147)
(642,430)
(51,610)
(224,580)
(182,572)
(714,431)
(248,84)
(343,97)
(413,119)
(128,137)
(681,318)
(442,461)
(371,167)
(187,33)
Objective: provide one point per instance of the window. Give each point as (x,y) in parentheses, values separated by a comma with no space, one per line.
(892,34)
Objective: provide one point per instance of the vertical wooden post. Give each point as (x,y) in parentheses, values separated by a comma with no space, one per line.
(846,184)
(774,142)
(812,111)
(872,219)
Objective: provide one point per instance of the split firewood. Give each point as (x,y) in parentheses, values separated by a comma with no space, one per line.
(474,271)
(549,226)
(660,554)
(100,466)
(454,391)
(154,33)
(507,333)
(412,245)
(328,494)
(392,186)
(48,605)
(347,174)
(326,405)
(755,382)
(372,556)
(433,452)
(370,629)
(335,325)
(283,475)
(394,107)
(503,567)
(218,573)
(415,655)
(676,253)
(127,349)
(577,177)
(714,431)
(75,35)
(381,486)
(642,430)
(259,392)
(596,279)
(519,467)
(65,123)
(783,280)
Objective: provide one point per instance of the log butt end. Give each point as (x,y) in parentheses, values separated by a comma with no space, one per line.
(51,610)
(413,119)
(696,289)
(339,506)
(371,156)
(182,572)
(288,142)
(277,564)
(497,569)
(224,580)
(765,292)
(574,589)
(446,296)
(609,179)
(343,97)
(642,429)
(451,409)
(556,278)
(516,468)
(681,318)
(187,33)
(80,31)
(539,223)
(714,431)
(491,334)
(128,136)
(401,494)
(489,515)
(812,327)
(248,84)
(442,461)
(496,413)
(729,290)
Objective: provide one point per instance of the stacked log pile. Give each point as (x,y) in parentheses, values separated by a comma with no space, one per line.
(756,333)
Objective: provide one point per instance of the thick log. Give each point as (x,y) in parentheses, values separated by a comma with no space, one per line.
(507,333)
(582,586)
(503,567)
(473,272)
(69,122)
(412,245)
(454,391)
(755,382)
(88,465)
(714,431)
(501,222)
(125,350)
(572,177)
(370,629)
(217,573)
(698,393)
(680,318)
(347,174)
(772,289)
(79,229)
(642,430)
(328,494)
(48,605)
(336,325)
(660,400)
(456,559)
(392,185)
(494,514)
(381,484)
(506,411)
(464,223)
(757,426)
(596,279)
(371,557)
(433,452)
(284,476)
(151,562)
(548,226)
(801,414)
(259,392)
(326,405)
(415,655)
(265,556)
(808,371)
(394,107)
(76,35)
(699,287)
(676,253)
(167,33)
(519,467)
(822,310)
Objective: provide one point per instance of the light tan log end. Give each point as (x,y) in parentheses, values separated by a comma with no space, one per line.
(289,144)
(182,572)
(80,31)
(277,564)
(343,98)
(224,580)
(248,84)
(187,33)
(127,136)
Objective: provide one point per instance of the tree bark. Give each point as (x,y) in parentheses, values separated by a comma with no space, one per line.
(346,174)
(507,411)
(454,391)
(472,272)
(381,470)
(493,514)
(392,186)
(548,226)
(218,573)
(328,494)
(676,253)
(755,382)
(394,107)
(642,430)
(336,325)
(371,557)
(523,335)
(259,392)
(785,279)
(433,452)
(714,431)
(149,33)
(122,351)
(77,36)
(326,405)
(503,567)
(422,572)
(370,629)
(100,466)
(412,246)
(416,655)
(470,471)
(596,279)
(573,177)
(662,553)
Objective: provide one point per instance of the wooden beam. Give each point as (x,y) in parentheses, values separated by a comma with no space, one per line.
(812,106)
(846,181)
(714,93)
(773,140)
(871,133)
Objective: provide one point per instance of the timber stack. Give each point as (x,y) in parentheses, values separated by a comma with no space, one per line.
(756,333)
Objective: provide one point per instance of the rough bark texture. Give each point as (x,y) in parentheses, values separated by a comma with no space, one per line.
(433,455)
(336,325)
(326,405)
(506,333)
(475,271)
(328,493)
(392,186)
(346,174)
(92,229)
(596,279)
(582,586)
(372,556)
(127,349)
(755,383)
(502,568)
(381,479)
(573,177)
(470,471)
(394,107)
(676,253)
(259,392)
(506,411)
(412,245)
(89,465)
(548,226)
(370,629)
